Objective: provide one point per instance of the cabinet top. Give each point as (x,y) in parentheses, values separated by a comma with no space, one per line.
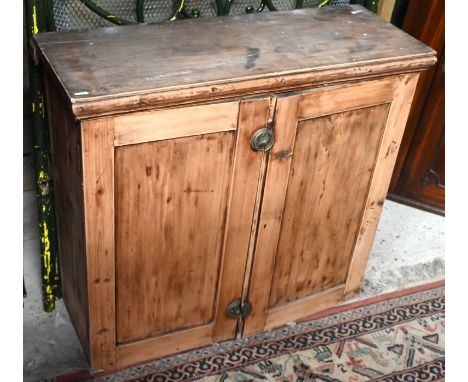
(124,68)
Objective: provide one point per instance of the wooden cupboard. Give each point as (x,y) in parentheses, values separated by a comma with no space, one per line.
(210,188)
(419,175)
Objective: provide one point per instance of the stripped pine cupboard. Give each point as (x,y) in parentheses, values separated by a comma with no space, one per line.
(239,196)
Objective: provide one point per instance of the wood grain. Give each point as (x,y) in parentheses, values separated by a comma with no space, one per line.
(404,88)
(386,9)
(247,174)
(98,185)
(68,195)
(246,88)
(163,346)
(279,163)
(330,174)
(343,98)
(187,218)
(175,123)
(418,177)
(171,214)
(100,65)
(304,307)
(423,176)
(424,20)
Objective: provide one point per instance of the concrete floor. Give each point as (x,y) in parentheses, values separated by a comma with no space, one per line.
(408,250)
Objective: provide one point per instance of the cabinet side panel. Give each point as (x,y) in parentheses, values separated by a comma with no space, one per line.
(331,169)
(404,88)
(171,205)
(68,192)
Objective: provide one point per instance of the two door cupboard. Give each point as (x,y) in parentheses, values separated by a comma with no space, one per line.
(219,177)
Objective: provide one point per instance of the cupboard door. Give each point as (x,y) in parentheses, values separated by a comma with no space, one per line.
(185,188)
(421,181)
(321,177)
(419,176)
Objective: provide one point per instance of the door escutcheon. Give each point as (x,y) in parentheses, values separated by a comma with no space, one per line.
(238,309)
(262,140)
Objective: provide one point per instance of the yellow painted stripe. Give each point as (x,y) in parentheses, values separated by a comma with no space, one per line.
(179,10)
(35,29)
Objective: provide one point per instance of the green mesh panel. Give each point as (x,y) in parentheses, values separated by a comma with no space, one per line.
(74,15)
(205,7)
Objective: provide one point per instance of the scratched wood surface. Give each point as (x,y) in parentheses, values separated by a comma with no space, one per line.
(253,115)
(115,62)
(98,188)
(179,216)
(279,163)
(68,193)
(170,211)
(322,212)
(175,123)
(404,89)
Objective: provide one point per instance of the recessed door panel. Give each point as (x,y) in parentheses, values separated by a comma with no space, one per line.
(330,174)
(171,201)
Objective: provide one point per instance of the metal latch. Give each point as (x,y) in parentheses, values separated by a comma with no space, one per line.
(239,309)
(262,140)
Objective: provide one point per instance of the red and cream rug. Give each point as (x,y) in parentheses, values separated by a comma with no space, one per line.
(394,337)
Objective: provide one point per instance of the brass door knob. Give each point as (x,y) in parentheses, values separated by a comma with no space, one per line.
(262,140)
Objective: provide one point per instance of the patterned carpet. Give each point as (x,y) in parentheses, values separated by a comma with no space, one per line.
(396,337)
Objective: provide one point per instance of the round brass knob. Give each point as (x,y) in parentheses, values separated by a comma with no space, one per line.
(262,140)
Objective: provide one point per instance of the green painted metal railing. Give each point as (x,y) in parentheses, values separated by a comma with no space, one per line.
(107,15)
(223,8)
(37,22)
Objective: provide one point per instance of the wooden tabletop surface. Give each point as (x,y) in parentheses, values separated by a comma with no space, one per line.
(107,63)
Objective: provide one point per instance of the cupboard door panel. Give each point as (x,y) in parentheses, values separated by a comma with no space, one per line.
(163,124)
(331,169)
(171,207)
(184,209)
(326,175)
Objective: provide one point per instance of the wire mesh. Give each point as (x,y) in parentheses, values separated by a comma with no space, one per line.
(332,3)
(238,7)
(283,5)
(74,15)
(204,7)
(159,10)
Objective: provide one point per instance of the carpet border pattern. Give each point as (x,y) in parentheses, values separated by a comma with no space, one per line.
(365,318)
